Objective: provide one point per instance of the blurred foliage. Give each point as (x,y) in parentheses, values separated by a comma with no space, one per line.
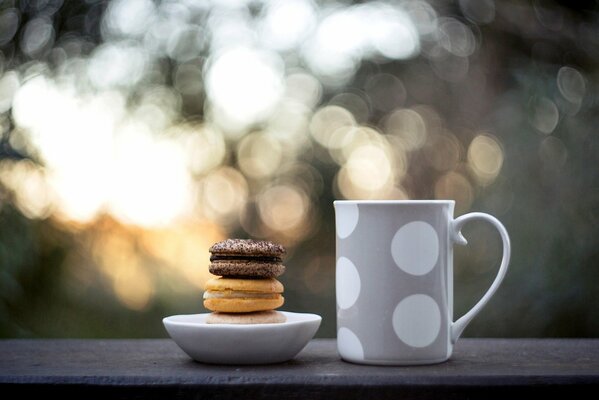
(135,133)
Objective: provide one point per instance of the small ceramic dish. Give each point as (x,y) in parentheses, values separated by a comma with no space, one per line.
(244,343)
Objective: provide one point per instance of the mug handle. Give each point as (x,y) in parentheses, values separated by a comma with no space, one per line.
(456,226)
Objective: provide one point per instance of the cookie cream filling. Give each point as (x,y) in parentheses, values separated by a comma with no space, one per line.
(213,294)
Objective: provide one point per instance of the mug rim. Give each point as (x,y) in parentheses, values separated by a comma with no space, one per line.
(335,202)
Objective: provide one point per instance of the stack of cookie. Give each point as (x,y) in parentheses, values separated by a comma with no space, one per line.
(247,291)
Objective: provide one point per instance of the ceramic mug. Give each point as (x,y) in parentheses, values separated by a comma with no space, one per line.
(394,280)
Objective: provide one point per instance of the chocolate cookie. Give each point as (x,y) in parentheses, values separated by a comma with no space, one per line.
(246,258)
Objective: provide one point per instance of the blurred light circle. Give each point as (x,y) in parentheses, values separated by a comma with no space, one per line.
(305,177)
(455,37)
(348,140)
(571,84)
(181,11)
(333,70)
(38,35)
(369,168)
(485,158)
(354,103)
(390,30)
(29,108)
(479,11)
(70,46)
(158,35)
(9,85)
(326,120)
(230,25)
(33,195)
(185,43)
(423,16)
(455,186)
(288,124)
(116,64)
(286,23)
(9,24)
(259,155)
(158,107)
(244,84)
(408,126)
(336,47)
(163,97)
(204,146)
(348,190)
(340,141)
(283,207)
(385,92)
(545,115)
(128,17)
(431,118)
(450,67)
(341,32)
(224,193)
(443,151)
(153,115)
(304,88)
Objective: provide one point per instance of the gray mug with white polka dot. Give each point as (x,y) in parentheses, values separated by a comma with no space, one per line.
(394,280)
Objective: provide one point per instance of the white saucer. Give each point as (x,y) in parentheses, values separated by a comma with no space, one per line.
(242,344)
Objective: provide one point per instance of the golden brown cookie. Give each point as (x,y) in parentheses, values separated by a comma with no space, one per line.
(243,295)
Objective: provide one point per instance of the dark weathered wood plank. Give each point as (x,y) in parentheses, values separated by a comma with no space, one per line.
(489,368)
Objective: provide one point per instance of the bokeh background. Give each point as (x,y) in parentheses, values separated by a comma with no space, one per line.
(135,133)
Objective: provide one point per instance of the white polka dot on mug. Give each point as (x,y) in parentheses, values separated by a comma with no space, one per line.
(393,280)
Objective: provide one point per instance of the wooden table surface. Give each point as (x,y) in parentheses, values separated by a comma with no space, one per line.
(479,368)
